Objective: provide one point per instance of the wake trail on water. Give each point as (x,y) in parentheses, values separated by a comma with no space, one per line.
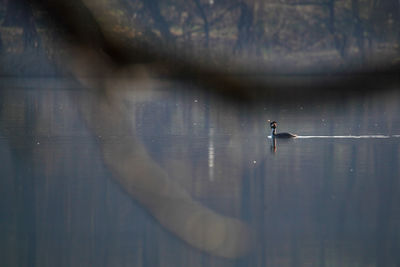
(345,136)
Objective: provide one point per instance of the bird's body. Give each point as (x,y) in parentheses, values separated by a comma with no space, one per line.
(274,134)
(283,135)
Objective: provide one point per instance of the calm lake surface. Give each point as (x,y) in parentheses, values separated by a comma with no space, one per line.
(327,198)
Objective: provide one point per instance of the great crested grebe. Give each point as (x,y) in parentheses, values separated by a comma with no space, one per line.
(273,125)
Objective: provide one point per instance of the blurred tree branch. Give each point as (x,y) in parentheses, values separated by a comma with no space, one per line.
(262,85)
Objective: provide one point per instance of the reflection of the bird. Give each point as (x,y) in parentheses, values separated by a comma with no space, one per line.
(273,144)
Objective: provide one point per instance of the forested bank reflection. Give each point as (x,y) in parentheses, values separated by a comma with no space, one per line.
(311,202)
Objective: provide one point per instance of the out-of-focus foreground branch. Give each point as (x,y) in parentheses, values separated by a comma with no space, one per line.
(84,26)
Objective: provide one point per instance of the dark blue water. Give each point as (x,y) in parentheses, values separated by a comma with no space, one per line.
(171,177)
